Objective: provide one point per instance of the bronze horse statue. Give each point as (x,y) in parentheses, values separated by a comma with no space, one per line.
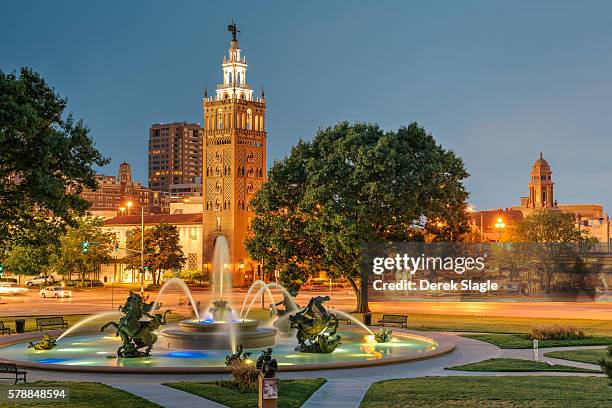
(135,333)
(316,327)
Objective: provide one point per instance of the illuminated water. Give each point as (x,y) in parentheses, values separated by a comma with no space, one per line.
(95,349)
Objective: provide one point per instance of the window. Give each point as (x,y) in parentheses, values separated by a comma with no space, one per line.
(238,80)
(249,187)
(229,78)
(218,223)
(218,156)
(249,119)
(218,186)
(218,205)
(220,118)
(250,157)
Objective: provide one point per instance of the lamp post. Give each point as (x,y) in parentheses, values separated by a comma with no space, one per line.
(500,225)
(142,271)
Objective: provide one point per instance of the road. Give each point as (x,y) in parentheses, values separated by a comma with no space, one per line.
(104,299)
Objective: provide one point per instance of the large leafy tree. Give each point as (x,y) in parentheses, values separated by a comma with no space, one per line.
(353,184)
(29,259)
(71,259)
(548,237)
(162,250)
(46,159)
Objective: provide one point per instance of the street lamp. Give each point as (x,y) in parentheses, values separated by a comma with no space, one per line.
(142,271)
(500,225)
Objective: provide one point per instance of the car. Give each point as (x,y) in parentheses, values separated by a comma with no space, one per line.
(55,291)
(40,280)
(11,289)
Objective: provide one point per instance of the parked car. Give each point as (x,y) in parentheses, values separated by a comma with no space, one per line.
(11,289)
(40,280)
(55,291)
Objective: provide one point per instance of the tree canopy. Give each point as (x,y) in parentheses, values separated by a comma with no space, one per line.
(46,159)
(162,250)
(353,184)
(547,237)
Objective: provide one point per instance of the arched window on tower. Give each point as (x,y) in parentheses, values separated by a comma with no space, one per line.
(218,204)
(218,186)
(249,187)
(249,119)
(220,119)
(229,78)
(238,79)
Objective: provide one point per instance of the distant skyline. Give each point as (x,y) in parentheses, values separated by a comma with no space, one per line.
(496,82)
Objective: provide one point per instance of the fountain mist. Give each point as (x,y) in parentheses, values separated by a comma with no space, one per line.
(89,319)
(181,284)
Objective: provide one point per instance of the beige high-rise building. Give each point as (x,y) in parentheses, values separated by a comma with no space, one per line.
(175,158)
(234,163)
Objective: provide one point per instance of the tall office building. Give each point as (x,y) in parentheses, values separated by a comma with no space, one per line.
(175,158)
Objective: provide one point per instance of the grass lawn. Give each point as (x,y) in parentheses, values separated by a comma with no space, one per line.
(517,365)
(80,394)
(489,324)
(291,393)
(490,392)
(584,356)
(519,341)
(30,324)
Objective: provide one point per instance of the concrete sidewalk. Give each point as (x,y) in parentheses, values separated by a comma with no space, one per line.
(166,396)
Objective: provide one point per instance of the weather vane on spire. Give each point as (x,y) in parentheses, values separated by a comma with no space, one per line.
(233,28)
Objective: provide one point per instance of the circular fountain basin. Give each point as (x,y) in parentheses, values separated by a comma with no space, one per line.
(97,353)
(212,335)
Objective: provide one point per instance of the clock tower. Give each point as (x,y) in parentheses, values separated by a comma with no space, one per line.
(234,163)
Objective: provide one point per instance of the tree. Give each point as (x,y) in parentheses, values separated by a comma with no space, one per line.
(549,236)
(29,259)
(354,184)
(162,250)
(71,258)
(45,161)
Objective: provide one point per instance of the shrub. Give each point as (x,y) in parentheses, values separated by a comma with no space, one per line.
(556,332)
(606,364)
(244,375)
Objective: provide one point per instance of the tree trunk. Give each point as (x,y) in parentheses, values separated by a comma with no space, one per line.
(362,301)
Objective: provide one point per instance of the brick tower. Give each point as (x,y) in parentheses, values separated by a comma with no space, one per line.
(234,163)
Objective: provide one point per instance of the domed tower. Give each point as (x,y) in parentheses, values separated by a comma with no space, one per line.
(234,162)
(541,187)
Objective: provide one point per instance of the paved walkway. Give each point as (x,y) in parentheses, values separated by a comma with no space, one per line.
(345,388)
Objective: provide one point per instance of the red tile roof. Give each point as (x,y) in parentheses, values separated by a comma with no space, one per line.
(154,219)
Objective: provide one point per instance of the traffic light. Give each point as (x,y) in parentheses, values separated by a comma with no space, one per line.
(1,269)
(85,246)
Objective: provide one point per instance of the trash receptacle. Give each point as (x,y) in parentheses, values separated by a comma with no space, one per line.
(19,325)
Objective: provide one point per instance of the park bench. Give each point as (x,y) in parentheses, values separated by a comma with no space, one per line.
(344,320)
(9,368)
(4,329)
(55,321)
(388,319)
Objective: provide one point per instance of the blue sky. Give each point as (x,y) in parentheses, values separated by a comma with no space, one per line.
(497,82)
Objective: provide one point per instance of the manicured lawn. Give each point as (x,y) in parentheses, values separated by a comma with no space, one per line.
(80,395)
(291,393)
(30,325)
(490,392)
(488,324)
(519,341)
(517,365)
(591,356)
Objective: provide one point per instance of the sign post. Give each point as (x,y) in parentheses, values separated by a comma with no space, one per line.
(536,356)
(268,392)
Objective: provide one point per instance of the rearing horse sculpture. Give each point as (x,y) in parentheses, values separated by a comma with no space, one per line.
(135,333)
(316,327)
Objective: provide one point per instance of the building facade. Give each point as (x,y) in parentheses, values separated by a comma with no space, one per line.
(175,158)
(498,224)
(234,157)
(114,192)
(190,238)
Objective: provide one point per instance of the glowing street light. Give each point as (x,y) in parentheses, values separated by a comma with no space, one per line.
(500,225)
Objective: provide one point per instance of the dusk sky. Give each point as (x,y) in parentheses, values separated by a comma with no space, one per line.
(497,82)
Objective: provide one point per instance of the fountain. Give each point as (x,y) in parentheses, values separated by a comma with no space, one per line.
(200,344)
(221,330)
